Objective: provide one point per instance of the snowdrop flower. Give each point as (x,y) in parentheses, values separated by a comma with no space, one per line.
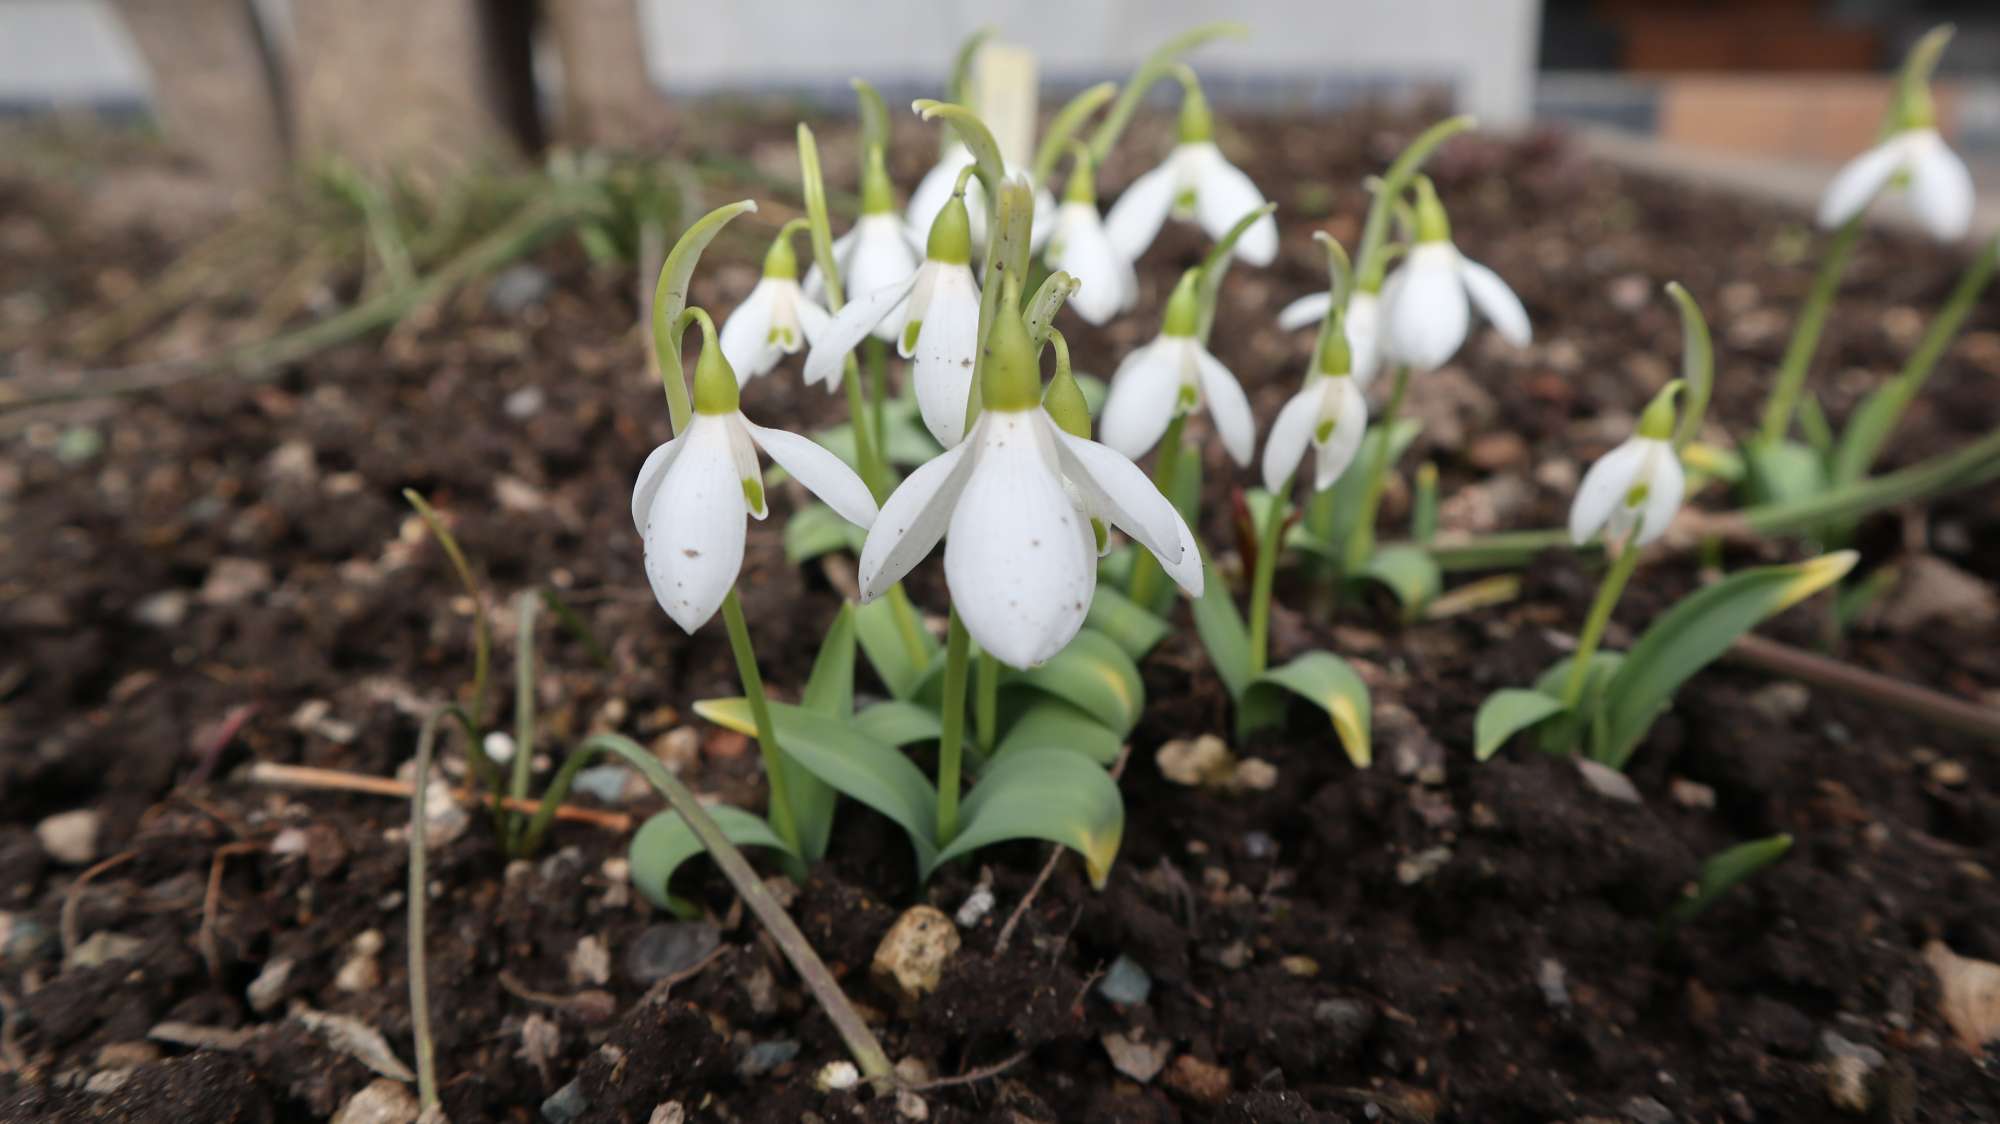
(1635,487)
(1363,327)
(1195,182)
(1911,154)
(877,250)
(1172,375)
(694,492)
(775,317)
(1014,503)
(1083,248)
(932,312)
(1425,312)
(940,183)
(1328,413)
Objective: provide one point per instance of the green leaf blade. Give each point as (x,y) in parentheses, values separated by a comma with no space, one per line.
(1507,712)
(1330,683)
(1046,794)
(665,842)
(1095,675)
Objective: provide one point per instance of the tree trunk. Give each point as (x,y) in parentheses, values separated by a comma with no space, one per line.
(608,100)
(214,87)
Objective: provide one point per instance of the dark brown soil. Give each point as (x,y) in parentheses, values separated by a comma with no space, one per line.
(1430,939)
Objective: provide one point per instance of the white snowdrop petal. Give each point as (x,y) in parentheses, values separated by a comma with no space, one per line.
(1083,249)
(744,451)
(848,327)
(882,257)
(1114,488)
(1223,195)
(917,305)
(1665,486)
(745,332)
(1603,491)
(1141,401)
(1135,219)
(650,475)
(1285,445)
(1187,573)
(812,320)
(1940,188)
(694,528)
(1307,311)
(947,345)
(1364,336)
(822,473)
(912,520)
(1016,579)
(1496,301)
(1859,181)
(1425,313)
(1335,455)
(1227,406)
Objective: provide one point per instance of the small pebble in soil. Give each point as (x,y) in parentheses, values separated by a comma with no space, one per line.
(566,1103)
(1204,762)
(667,949)
(1135,1057)
(517,287)
(163,610)
(1781,703)
(911,958)
(1199,1080)
(1232,956)
(1125,982)
(103,947)
(1259,845)
(669,1113)
(1348,1019)
(524,403)
(499,746)
(363,970)
(763,1057)
(604,783)
(976,906)
(381,1101)
(1304,967)
(1553,980)
(835,1077)
(1422,865)
(268,989)
(1950,773)
(1646,1110)
(1849,1069)
(590,962)
(1691,794)
(23,940)
(70,837)
(1607,782)
(1254,774)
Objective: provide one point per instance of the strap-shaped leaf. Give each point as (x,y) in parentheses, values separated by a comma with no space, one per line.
(1693,634)
(1155,67)
(1724,870)
(830,687)
(1216,263)
(1048,723)
(817,529)
(665,841)
(1129,626)
(1328,682)
(1567,731)
(1065,124)
(1507,712)
(837,753)
(1222,631)
(874,115)
(898,723)
(1044,794)
(1410,573)
(670,298)
(1330,514)
(1783,471)
(1697,365)
(1095,675)
(887,634)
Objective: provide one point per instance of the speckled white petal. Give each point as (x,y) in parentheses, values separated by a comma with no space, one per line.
(1227,406)
(912,520)
(1940,187)
(1665,486)
(650,475)
(1135,219)
(746,333)
(694,526)
(1860,180)
(1285,445)
(848,327)
(1143,393)
(1306,312)
(1424,308)
(1187,573)
(1114,489)
(1603,490)
(947,345)
(822,473)
(1335,455)
(1016,579)
(1496,302)
(1082,248)
(1223,194)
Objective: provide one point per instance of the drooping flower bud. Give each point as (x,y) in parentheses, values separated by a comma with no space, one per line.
(1010,379)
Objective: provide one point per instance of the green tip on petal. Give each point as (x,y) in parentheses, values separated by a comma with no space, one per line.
(878,195)
(1432,224)
(780,261)
(1183,316)
(1082,186)
(951,233)
(1657,423)
(714,379)
(1197,121)
(1010,380)
(1335,357)
(1064,398)
(1914,108)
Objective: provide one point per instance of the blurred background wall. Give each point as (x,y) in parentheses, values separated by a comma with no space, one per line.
(248,84)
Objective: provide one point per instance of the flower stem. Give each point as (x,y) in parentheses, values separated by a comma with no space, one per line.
(1262,579)
(760,711)
(1361,540)
(1791,378)
(419,895)
(859,417)
(1608,592)
(878,390)
(951,739)
(986,702)
(524,709)
(1146,571)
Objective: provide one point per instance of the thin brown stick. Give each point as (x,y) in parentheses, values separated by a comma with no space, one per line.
(211,904)
(1820,671)
(1048,868)
(337,780)
(73,900)
(970,1076)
